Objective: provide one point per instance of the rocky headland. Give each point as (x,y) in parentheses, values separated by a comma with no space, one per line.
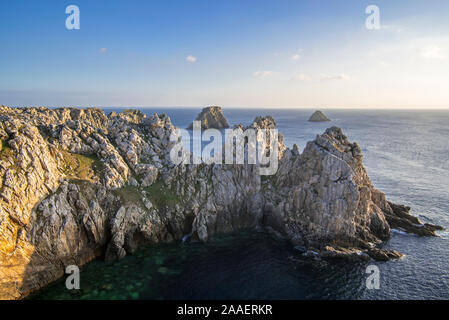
(211,118)
(318,116)
(77,184)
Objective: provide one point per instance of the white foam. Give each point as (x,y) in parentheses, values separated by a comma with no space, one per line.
(402,232)
(443,234)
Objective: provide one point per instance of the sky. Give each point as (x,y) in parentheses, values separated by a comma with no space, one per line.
(232,53)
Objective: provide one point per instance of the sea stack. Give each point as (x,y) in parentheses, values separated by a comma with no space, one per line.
(211,117)
(318,116)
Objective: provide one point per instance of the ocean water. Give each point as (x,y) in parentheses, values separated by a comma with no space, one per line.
(406,154)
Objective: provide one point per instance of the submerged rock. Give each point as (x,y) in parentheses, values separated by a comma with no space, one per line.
(318,116)
(211,117)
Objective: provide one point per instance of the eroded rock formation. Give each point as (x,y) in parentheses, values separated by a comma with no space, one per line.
(318,116)
(76,184)
(211,117)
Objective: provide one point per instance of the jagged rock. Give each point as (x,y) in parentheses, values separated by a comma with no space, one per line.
(265,123)
(211,117)
(383,254)
(318,116)
(343,253)
(76,184)
(399,218)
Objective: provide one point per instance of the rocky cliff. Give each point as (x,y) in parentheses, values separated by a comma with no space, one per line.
(211,117)
(76,184)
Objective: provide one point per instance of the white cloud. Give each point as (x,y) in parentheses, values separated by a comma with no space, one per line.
(433,52)
(302,77)
(296,57)
(337,77)
(263,74)
(103,50)
(191,59)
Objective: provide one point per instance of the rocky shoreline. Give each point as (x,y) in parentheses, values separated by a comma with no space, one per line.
(77,184)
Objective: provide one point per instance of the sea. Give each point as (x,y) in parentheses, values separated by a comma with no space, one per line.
(406,154)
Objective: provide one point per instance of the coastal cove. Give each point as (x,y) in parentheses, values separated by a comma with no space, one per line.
(243,265)
(393,168)
(253,265)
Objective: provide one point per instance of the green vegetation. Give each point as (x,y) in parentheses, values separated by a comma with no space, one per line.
(158,193)
(83,167)
(5,151)
(161,196)
(8,155)
(129,194)
(267,181)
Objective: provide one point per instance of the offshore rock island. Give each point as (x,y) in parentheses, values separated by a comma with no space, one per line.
(77,184)
(318,116)
(211,118)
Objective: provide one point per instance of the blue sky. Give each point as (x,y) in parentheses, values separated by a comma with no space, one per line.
(257,53)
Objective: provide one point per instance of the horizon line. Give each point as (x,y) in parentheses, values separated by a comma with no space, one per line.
(235,107)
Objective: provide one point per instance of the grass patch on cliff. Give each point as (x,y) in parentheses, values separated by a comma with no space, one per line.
(161,196)
(83,167)
(129,195)
(5,152)
(158,193)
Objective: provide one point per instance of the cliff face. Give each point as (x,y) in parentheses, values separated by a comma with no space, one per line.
(77,184)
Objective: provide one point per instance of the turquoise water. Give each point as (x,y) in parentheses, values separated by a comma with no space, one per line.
(406,154)
(219,269)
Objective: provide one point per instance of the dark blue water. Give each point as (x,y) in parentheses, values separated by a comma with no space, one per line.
(406,154)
